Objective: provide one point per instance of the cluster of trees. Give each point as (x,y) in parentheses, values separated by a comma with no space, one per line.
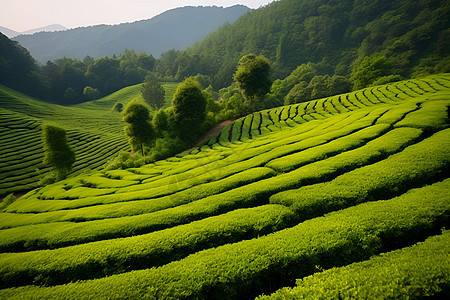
(156,134)
(68,80)
(336,36)
(18,69)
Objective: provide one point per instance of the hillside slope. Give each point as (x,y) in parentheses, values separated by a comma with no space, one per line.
(177,28)
(334,34)
(12,33)
(275,196)
(94,131)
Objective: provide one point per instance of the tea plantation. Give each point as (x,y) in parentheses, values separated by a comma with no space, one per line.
(336,198)
(94,132)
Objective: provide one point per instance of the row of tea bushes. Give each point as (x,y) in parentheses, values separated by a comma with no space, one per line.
(416,165)
(422,270)
(138,252)
(245,268)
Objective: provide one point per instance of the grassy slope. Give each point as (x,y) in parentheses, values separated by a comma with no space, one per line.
(334,181)
(94,131)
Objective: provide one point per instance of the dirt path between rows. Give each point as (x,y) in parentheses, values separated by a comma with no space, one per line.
(210,133)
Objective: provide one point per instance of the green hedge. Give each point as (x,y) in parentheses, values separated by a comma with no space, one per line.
(346,142)
(245,269)
(103,258)
(430,117)
(212,189)
(193,172)
(416,165)
(422,270)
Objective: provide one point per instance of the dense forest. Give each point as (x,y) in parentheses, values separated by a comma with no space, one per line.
(68,80)
(336,36)
(176,28)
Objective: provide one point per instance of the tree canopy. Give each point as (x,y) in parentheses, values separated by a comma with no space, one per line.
(137,116)
(57,153)
(253,76)
(189,105)
(153,92)
(334,35)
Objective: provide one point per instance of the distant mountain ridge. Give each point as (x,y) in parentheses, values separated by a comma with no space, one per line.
(177,28)
(50,28)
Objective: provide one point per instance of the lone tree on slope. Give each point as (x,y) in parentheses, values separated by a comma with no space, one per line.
(153,92)
(189,108)
(139,128)
(253,76)
(57,153)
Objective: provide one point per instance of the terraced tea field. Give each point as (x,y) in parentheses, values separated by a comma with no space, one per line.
(311,192)
(94,131)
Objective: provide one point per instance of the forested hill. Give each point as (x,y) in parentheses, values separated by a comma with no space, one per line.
(335,34)
(177,28)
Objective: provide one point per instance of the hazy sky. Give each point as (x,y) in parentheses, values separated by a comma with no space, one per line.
(21,15)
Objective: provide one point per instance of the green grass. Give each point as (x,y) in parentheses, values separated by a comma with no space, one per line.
(273,198)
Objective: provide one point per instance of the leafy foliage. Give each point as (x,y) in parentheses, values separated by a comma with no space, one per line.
(139,128)
(153,92)
(334,35)
(57,153)
(417,274)
(189,105)
(253,76)
(18,69)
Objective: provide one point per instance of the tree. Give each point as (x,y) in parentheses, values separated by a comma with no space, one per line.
(91,93)
(160,122)
(189,107)
(253,76)
(70,96)
(145,61)
(139,128)
(57,153)
(105,75)
(299,93)
(369,70)
(153,92)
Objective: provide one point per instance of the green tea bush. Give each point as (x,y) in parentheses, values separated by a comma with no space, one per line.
(341,144)
(431,116)
(416,165)
(420,271)
(150,215)
(138,252)
(7,201)
(246,268)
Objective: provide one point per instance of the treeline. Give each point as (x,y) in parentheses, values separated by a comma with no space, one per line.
(405,38)
(68,80)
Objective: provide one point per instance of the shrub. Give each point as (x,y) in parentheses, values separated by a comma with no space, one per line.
(118,107)
(7,201)
(413,272)
(91,93)
(414,166)
(248,268)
